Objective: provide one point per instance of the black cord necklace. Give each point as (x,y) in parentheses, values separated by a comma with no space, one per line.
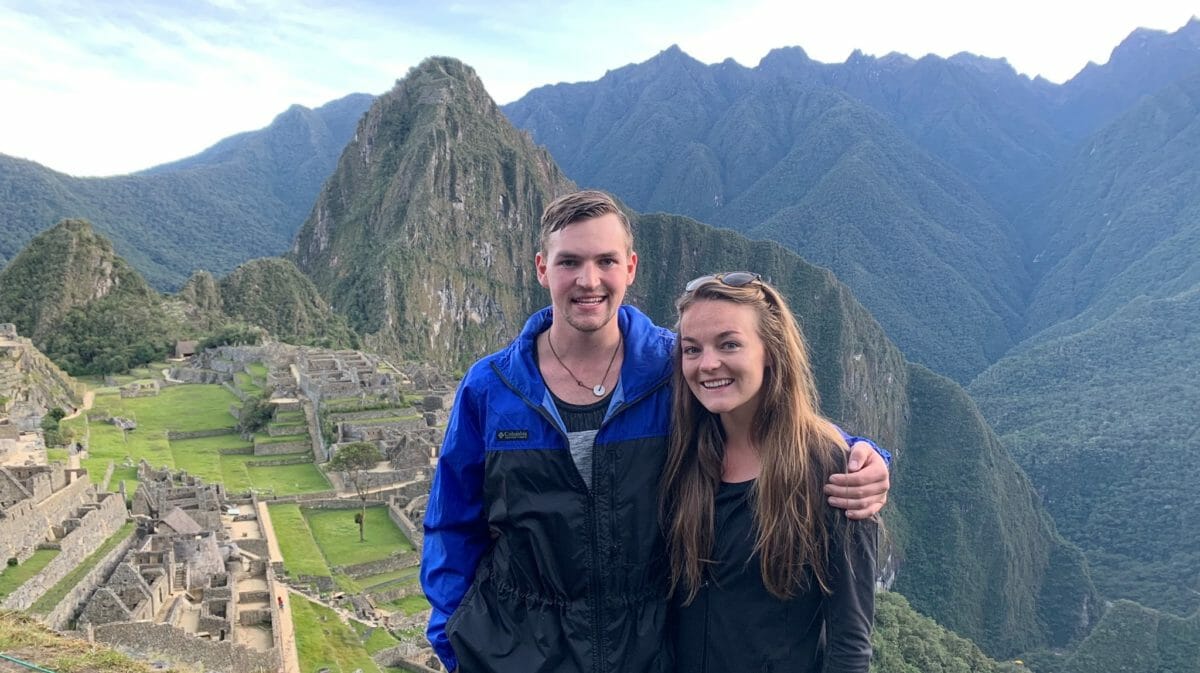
(598,390)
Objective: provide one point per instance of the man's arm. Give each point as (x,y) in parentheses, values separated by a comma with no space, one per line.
(456,533)
(862,491)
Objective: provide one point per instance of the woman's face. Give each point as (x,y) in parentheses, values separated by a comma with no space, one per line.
(723,357)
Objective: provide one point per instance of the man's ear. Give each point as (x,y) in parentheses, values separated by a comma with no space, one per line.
(541,263)
(632,267)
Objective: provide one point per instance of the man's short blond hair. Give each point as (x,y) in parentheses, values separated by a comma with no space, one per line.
(585,205)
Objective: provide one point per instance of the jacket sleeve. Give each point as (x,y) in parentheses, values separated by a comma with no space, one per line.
(850,607)
(456,532)
(851,440)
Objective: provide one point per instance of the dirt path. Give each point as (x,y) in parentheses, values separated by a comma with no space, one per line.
(88,398)
(289,659)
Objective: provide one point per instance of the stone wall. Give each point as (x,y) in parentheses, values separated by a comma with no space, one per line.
(175,435)
(279,429)
(276,448)
(108,473)
(400,656)
(414,533)
(91,529)
(190,375)
(163,641)
(60,618)
(398,561)
(26,523)
(287,459)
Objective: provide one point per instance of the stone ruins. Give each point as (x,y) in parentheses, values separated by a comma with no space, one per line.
(183,572)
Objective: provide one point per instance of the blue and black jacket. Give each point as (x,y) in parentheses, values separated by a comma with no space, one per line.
(526,568)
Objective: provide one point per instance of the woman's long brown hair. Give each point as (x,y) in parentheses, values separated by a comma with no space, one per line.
(798,448)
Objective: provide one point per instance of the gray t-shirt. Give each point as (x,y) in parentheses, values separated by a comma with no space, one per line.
(583,422)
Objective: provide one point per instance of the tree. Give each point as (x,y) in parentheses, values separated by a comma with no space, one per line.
(352,461)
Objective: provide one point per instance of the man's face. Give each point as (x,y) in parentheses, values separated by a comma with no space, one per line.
(587,267)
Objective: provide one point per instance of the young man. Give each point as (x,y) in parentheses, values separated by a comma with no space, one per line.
(542,546)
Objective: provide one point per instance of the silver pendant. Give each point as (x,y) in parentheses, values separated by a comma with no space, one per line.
(598,390)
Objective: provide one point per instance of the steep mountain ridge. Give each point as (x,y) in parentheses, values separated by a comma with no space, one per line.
(420,238)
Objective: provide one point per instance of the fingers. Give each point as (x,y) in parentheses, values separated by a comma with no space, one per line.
(860,455)
(866,491)
(860,508)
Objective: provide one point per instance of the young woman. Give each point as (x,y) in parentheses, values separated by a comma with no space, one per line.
(765,575)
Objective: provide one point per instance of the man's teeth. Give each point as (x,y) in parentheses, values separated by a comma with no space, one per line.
(717,384)
(593,300)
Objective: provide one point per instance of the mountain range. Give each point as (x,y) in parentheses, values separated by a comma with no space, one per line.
(245,197)
(1034,242)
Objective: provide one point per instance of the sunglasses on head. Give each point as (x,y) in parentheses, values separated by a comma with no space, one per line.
(732,279)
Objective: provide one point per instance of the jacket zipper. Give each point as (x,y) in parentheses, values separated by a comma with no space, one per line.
(594,538)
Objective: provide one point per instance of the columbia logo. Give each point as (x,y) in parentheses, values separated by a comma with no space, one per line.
(511,435)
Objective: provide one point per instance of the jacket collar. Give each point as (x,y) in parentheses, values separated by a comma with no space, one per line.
(647,355)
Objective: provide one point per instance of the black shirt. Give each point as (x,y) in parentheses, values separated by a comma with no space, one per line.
(735,625)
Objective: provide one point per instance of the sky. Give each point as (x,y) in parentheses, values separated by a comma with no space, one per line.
(107,87)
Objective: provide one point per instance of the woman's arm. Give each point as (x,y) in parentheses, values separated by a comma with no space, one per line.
(850,607)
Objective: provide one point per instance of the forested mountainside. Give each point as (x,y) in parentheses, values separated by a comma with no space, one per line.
(243,198)
(1096,188)
(92,313)
(271,293)
(1100,405)
(82,304)
(809,167)
(425,236)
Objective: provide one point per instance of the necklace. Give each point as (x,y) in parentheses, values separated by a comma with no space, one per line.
(598,390)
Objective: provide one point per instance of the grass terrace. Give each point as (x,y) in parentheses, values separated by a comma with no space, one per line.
(373,638)
(12,577)
(408,606)
(301,555)
(58,592)
(337,535)
(323,640)
(319,540)
(187,408)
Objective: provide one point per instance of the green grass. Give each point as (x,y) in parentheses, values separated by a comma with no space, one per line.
(12,577)
(22,637)
(58,592)
(245,383)
(128,475)
(337,535)
(290,417)
(301,555)
(182,408)
(373,581)
(324,641)
(409,605)
(264,438)
(381,421)
(56,455)
(257,370)
(379,638)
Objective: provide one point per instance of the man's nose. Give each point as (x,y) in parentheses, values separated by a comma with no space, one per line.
(588,275)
